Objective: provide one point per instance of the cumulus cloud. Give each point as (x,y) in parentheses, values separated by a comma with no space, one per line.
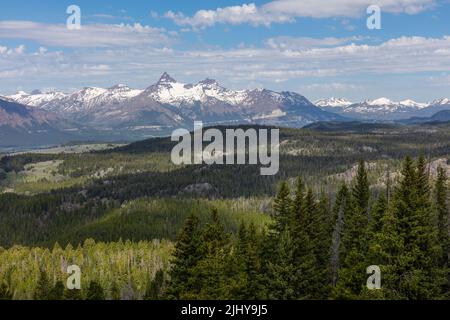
(90,35)
(332,61)
(284,11)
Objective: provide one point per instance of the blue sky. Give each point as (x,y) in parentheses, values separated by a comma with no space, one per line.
(319,48)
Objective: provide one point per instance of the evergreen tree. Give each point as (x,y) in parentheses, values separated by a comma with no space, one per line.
(282,207)
(376,215)
(5,293)
(95,292)
(74,294)
(341,208)
(115,292)
(244,268)
(282,274)
(297,203)
(360,191)
(322,247)
(306,237)
(155,287)
(443,214)
(407,246)
(209,273)
(354,245)
(57,292)
(185,258)
(43,287)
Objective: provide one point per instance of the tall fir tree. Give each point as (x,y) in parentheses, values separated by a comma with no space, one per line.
(5,292)
(360,190)
(407,246)
(43,287)
(156,287)
(354,245)
(244,269)
(95,292)
(304,234)
(209,273)
(282,208)
(443,214)
(57,292)
(341,208)
(185,258)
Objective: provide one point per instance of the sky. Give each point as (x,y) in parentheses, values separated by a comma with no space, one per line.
(318,48)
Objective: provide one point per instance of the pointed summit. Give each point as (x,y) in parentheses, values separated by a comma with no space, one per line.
(36,92)
(209,82)
(166,78)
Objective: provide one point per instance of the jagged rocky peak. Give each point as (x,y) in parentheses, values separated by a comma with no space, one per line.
(442,101)
(166,79)
(36,92)
(209,82)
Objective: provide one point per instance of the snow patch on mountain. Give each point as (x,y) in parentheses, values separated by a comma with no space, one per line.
(169,91)
(333,102)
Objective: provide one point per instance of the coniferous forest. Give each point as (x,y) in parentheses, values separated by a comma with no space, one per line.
(344,207)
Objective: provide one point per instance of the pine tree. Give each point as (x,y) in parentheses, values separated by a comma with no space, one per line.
(407,246)
(95,292)
(5,293)
(322,247)
(282,207)
(376,215)
(209,273)
(342,207)
(360,191)
(57,292)
(281,273)
(156,287)
(115,292)
(305,239)
(443,214)
(185,258)
(244,268)
(354,245)
(43,287)
(297,203)
(278,249)
(72,294)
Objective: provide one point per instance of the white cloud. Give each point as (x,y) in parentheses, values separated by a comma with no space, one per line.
(90,35)
(332,62)
(331,87)
(284,11)
(299,43)
(20,49)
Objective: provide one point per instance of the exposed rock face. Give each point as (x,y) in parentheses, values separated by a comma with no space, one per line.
(203,189)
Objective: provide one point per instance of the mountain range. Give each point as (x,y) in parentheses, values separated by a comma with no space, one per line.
(123,113)
(383,109)
(128,113)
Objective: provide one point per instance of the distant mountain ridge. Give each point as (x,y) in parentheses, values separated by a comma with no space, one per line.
(383,109)
(26,126)
(439,117)
(169,103)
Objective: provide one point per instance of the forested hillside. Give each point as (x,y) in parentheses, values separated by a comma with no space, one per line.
(343,200)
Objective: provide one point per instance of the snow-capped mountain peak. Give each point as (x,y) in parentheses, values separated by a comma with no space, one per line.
(413,104)
(169,91)
(380,102)
(443,101)
(166,79)
(333,102)
(36,98)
